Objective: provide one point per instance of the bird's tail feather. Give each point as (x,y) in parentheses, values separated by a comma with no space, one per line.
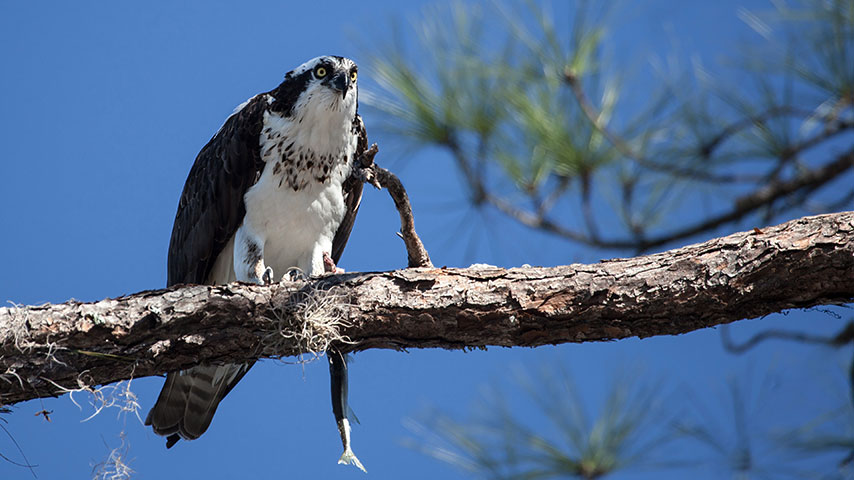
(189,399)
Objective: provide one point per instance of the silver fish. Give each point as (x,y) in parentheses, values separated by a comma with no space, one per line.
(340,408)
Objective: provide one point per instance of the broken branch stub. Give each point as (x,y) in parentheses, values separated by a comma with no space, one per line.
(379,177)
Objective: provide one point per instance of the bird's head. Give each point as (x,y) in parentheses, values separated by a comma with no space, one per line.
(327,82)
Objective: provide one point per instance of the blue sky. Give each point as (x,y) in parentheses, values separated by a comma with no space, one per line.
(104,109)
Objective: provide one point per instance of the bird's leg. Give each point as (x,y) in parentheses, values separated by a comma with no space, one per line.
(338,382)
(249,258)
(329,264)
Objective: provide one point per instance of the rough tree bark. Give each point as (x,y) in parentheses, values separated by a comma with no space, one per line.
(802,263)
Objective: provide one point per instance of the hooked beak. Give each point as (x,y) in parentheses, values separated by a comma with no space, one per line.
(341,83)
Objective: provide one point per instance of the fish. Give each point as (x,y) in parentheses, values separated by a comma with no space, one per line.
(340,407)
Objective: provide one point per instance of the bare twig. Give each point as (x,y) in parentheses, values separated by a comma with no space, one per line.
(26,464)
(743,207)
(748,204)
(832,129)
(540,222)
(587,208)
(380,177)
(544,205)
(622,146)
(707,148)
(842,338)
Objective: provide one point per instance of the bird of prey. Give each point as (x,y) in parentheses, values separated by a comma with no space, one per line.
(273,190)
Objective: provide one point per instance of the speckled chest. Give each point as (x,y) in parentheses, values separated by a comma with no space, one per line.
(297,203)
(296,167)
(302,151)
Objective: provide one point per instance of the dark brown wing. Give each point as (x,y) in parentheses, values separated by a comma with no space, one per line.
(209,212)
(352,194)
(211,207)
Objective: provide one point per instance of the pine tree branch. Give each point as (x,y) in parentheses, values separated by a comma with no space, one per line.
(764,196)
(799,264)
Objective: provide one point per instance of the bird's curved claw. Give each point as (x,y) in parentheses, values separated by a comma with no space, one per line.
(294,275)
(267,276)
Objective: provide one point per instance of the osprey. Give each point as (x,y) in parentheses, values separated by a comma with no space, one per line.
(271,191)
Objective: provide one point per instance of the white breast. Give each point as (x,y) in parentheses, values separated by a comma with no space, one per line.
(297,207)
(296,227)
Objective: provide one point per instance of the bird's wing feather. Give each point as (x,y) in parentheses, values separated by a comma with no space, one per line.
(211,206)
(352,193)
(209,212)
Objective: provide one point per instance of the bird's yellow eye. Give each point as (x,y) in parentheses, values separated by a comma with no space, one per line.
(320,72)
(353,76)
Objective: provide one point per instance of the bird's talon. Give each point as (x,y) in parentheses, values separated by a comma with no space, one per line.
(267,277)
(329,264)
(295,275)
(367,175)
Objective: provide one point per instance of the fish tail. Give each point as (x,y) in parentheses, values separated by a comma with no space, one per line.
(348,457)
